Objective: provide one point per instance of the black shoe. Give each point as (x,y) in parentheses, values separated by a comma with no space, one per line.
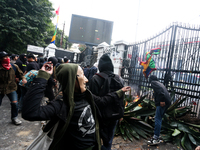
(153,141)
(16,121)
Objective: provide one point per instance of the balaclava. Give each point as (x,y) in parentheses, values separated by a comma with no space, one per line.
(21,57)
(105,63)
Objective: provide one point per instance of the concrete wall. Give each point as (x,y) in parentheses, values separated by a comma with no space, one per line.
(115,52)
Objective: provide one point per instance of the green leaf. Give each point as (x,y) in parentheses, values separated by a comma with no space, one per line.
(124,137)
(128,134)
(135,104)
(193,125)
(192,139)
(183,140)
(186,129)
(176,132)
(187,143)
(174,124)
(140,132)
(121,129)
(132,132)
(146,124)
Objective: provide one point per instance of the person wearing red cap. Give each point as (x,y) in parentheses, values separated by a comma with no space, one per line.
(8,85)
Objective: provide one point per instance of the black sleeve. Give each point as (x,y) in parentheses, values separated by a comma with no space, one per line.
(106,100)
(95,84)
(31,109)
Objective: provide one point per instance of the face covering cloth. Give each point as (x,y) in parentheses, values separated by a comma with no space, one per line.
(6,63)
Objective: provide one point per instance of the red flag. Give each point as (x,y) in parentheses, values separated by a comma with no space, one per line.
(57,11)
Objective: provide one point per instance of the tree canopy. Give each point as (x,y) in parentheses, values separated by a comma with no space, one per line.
(24,22)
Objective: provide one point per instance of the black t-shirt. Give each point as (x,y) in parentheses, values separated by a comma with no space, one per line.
(81,130)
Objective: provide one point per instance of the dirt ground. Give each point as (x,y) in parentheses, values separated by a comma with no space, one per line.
(19,137)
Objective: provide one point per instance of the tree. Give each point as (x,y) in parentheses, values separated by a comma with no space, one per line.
(24,22)
(81,47)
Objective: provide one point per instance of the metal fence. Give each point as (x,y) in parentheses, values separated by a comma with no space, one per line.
(177,65)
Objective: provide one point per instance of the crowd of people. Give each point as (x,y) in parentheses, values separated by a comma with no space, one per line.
(74,106)
(15,71)
(78,105)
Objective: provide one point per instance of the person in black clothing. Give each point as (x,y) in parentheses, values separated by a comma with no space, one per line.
(66,60)
(75,109)
(51,81)
(106,131)
(32,64)
(162,102)
(40,61)
(92,72)
(21,62)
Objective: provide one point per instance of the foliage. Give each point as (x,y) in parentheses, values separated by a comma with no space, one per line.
(65,43)
(81,47)
(24,22)
(139,121)
(132,124)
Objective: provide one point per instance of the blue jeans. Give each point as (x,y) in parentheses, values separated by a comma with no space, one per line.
(13,102)
(110,131)
(160,111)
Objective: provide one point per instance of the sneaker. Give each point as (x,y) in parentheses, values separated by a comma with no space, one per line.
(16,121)
(161,139)
(153,141)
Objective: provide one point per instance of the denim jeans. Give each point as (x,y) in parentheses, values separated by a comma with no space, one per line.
(110,131)
(160,111)
(14,105)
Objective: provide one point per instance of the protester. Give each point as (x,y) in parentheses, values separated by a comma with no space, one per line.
(162,102)
(92,72)
(8,85)
(51,83)
(40,61)
(66,60)
(86,70)
(32,64)
(21,62)
(13,58)
(106,131)
(78,123)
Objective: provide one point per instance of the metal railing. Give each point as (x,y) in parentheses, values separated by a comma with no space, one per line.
(178,64)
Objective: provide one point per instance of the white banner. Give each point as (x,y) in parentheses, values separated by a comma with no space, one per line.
(36,49)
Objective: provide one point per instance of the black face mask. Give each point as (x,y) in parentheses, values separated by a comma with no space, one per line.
(25,59)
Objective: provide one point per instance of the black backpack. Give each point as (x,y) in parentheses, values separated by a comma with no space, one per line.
(112,82)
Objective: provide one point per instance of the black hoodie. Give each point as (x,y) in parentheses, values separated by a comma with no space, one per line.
(105,63)
(22,62)
(160,92)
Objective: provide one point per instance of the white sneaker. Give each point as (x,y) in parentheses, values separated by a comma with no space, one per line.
(16,121)
(153,141)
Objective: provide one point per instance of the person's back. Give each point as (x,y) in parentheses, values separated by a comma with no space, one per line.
(92,71)
(86,71)
(107,132)
(160,93)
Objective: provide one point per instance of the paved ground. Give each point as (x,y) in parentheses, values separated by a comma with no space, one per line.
(18,137)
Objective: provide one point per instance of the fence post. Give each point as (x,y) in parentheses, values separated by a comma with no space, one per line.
(168,76)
